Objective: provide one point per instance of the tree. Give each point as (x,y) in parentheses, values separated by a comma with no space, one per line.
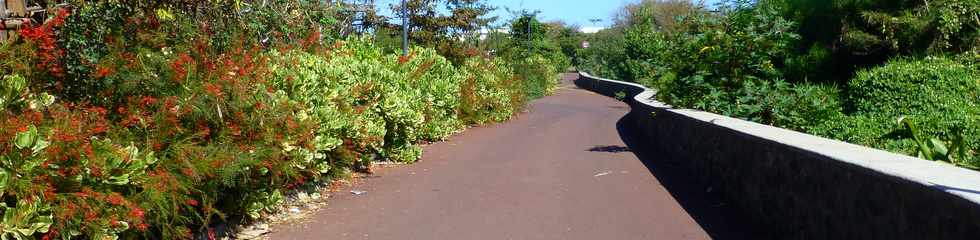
(430,27)
(840,36)
(660,15)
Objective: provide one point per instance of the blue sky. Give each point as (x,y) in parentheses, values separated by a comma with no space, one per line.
(571,11)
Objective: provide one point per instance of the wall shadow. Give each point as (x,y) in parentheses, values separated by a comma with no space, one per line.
(609,149)
(716,215)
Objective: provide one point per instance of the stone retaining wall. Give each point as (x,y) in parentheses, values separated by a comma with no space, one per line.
(805,187)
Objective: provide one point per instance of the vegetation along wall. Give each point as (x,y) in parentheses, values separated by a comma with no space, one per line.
(803,186)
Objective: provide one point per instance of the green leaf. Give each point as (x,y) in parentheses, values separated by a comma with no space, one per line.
(4,179)
(26,139)
(39,146)
(938,147)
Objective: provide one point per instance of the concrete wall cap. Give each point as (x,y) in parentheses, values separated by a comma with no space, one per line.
(958,181)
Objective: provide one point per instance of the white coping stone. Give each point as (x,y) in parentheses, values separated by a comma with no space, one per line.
(948,178)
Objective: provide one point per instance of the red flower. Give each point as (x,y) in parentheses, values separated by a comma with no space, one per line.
(192,202)
(404,59)
(213,89)
(148,100)
(116,199)
(102,72)
(98,110)
(136,213)
(100,128)
(43,36)
(142,227)
(180,66)
(53,234)
(234,129)
(81,194)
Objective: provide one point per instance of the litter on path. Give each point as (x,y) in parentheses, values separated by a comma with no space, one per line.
(602,174)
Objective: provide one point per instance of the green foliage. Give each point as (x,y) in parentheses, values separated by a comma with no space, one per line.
(605,56)
(537,59)
(724,64)
(538,75)
(432,81)
(935,149)
(734,63)
(864,33)
(96,28)
(142,120)
(620,96)
(440,25)
(934,85)
(25,219)
(938,92)
(807,105)
(490,91)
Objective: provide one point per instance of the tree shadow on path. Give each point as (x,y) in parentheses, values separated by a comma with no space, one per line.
(717,216)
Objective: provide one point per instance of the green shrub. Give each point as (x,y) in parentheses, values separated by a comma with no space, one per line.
(539,76)
(719,63)
(432,81)
(160,125)
(940,94)
(341,94)
(605,56)
(934,85)
(490,91)
(807,106)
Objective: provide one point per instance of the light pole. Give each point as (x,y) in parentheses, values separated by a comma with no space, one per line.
(530,17)
(404,28)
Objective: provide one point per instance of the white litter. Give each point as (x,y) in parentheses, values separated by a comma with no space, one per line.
(603,174)
(358,192)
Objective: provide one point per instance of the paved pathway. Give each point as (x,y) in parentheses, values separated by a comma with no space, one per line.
(560,171)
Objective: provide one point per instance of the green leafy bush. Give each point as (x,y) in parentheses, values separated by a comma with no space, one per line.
(939,93)
(807,105)
(605,56)
(734,62)
(490,92)
(156,120)
(934,85)
(432,81)
(539,76)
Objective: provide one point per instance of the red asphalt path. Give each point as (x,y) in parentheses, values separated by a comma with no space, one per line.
(558,171)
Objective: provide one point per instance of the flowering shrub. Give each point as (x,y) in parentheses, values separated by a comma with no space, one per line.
(159,127)
(163,157)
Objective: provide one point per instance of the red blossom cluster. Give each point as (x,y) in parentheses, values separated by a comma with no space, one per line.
(180,66)
(44,37)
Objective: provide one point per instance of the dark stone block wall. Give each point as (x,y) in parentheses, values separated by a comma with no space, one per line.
(797,193)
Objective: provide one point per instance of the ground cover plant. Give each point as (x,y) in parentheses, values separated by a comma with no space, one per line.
(153,120)
(896,75)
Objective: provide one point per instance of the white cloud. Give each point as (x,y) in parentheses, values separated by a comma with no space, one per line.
(591,29)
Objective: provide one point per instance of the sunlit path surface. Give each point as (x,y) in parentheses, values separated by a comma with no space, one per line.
(559,171)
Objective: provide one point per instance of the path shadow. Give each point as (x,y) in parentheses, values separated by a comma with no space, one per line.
(719,218)
(609,149)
